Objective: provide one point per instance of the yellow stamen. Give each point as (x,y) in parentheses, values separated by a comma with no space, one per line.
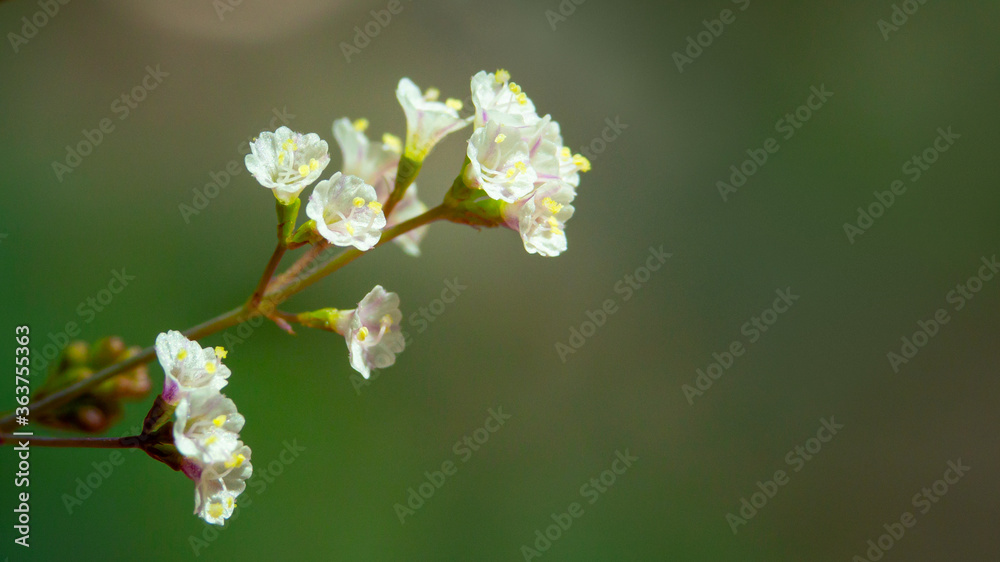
(386,320)
(454,104)
(221,352)
(375,206)
(566,152)
(521,167)
(515,88)
(501,76)
(211,440)
(522,98)
(580,161)
(215,510)
(552,205)
(236,460)
(219,420)
(210,367)
(555,231)
(511,172)
(432,94)
(358,202)
(281,158)
(349,229)
(393,142)
(360,125)
(182,354)
(553,222)
(363,333)
(500,138)
(304,170)
(313,165)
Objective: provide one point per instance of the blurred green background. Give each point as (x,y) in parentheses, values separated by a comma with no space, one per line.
(654,185)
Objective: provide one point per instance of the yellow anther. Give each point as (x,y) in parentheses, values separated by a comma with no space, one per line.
(281,158)
(211,440)
(501,76)
(454,104)
(511,172)
(313,164)
(375,206)
(553,222)
(522,98)
(360,125)
(580,161)
(521,167)
(500,138)
(304,170)
(566,152)
(551,205)
(358,202)
(219,420)
(363,333)
(210,367)
(289,144)
(555,231)
(236,460)
(221,352)
(349,229)
(254,139)
(386,320)
(231,502)
(515,88)
(182,354)
(215,510)
(432,94)
(393,142)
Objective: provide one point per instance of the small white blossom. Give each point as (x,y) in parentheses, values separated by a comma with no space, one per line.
(218,484)
(541,218)
(207,427)
(500,161)
(373,333)
(375,163)
(287,162)
(427,120)
(189,367)
(497,98)
(347,212)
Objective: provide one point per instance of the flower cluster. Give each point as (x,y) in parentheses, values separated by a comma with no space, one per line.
(206,426)
(519,159)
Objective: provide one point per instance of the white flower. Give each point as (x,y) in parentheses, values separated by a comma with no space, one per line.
(347,212)
(375,163)
(541,218)
(569,165)
(189,367)
(218,484)
(373,333)
(207,427)
(287,162)
(497,98)
(499,161)
(427,120)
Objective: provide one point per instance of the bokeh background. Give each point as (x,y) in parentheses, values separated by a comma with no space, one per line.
(361,448)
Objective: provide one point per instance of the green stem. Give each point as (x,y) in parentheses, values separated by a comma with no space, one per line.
(85,442)
(347,256)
